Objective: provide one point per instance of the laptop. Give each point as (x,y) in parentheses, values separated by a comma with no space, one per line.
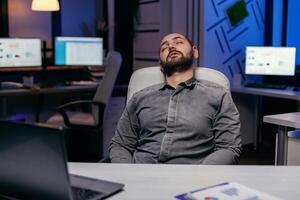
(33,165)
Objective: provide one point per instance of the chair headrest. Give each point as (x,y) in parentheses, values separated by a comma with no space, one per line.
(148,76)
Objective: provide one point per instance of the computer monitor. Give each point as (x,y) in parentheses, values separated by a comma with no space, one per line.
(20,52)
(278,61)
(78,51)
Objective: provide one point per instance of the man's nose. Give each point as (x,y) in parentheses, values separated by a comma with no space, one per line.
(171,47)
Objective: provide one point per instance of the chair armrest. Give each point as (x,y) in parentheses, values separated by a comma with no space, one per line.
(63,108)
(106,159)
(76,103)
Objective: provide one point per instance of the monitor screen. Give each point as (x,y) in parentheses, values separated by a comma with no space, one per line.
(78,51)
(20,52)
(270,61)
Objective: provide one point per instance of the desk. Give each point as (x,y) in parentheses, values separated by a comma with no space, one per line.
(49,90)
(248,101)
(4,93)
(283,121)
(145,181)
(276,93)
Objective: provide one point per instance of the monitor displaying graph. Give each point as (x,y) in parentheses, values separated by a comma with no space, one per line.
(78,51)
(20,52)
(264,60)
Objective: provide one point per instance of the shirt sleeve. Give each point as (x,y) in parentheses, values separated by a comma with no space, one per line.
(226,128)
(124,142)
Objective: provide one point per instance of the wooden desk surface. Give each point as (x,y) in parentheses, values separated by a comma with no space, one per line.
(158,181)
(286,119)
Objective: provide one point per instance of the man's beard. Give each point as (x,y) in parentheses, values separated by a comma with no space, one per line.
(180,64)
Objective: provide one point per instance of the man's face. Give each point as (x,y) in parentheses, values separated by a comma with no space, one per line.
(176,54)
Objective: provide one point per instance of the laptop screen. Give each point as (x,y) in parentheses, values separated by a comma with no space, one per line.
(29,154)
(33,166)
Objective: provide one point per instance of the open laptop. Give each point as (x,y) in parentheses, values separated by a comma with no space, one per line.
(33,166)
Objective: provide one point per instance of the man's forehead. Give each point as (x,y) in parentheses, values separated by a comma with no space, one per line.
(172,36)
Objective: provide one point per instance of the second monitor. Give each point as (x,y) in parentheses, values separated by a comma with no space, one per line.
(78,51)
(264,60)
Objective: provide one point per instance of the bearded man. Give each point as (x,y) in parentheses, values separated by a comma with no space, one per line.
(182,121)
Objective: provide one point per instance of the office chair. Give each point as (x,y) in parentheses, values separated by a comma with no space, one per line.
(148,76)
(145,77)
(84,129)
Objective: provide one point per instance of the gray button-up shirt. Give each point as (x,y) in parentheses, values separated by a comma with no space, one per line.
(196,123)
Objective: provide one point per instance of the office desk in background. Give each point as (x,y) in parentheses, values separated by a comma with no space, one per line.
(159,181)
(47,90)
(17,93)
(275,93)
(249,102)
(283,121)
(114,108)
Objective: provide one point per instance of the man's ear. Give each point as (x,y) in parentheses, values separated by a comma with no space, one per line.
(195,52)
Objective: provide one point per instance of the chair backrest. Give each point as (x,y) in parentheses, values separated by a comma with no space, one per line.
(145,77)
(112,67)
(105,88)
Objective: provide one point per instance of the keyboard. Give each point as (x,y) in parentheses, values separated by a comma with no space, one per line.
(16,85)
(266,86)
(83,83)
(84,194)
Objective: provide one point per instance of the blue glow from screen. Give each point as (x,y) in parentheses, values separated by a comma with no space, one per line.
(293,29)
(60,53)
(277,23)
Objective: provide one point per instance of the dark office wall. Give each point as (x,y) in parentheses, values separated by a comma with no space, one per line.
(78,18)
(23,22)
(102,24)
(82,19)
(3,19)
(124,29)
(293,28)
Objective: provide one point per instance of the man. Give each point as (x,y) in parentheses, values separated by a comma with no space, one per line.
(182,121)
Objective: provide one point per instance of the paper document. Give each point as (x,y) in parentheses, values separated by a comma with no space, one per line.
(226,191)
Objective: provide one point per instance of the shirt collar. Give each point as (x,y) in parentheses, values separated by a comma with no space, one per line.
(188,83)
(191,82)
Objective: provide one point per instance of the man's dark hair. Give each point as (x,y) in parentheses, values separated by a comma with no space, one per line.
(188,39)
